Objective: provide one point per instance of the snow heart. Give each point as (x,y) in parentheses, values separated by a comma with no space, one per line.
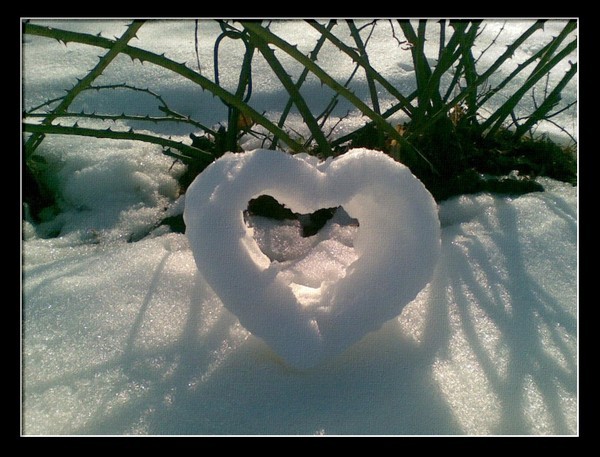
(397,245)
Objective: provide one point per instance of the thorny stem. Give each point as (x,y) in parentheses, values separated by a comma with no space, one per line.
(301,79)
(162,61)
(173,116)
(405,103)
(190,151)
(495,120)
(327,79)
(121,117)
(363,53)
(291,88)
(492,43)
(481,79)
(550,102)
(35,140)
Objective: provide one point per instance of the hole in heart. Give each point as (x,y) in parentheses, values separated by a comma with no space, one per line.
(268,207)
(311,251)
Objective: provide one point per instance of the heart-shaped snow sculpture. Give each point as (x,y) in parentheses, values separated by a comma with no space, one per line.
(397,245)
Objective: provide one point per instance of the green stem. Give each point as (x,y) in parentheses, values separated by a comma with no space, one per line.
(35,140)
(301,79)
(450,54)
(293,91)
(512,75)
(292,51)
(549,103)
(556,42)
(443,111)
(541,54)
(120,117)
(363,53)
(405,104)
(466,48)
(164,62)
(189,151)
(422,69)
(494,122)
(510,50)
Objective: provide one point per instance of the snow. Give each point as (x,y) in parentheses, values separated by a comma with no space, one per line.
(123,335)
(128,338)
(335,294)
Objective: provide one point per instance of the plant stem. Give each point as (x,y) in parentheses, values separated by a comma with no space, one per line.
(422,69)
(301,79)
(291,88)
(292,51)
(190,151)
(363,53)
(494,122)
(510,50)
(162,61)
(405,104)
(549,103)
(35,140)
(466,48)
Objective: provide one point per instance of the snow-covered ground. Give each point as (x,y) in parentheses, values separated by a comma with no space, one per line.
(122,334)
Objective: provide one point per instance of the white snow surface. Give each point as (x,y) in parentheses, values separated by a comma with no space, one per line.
(129,338)
(315,307)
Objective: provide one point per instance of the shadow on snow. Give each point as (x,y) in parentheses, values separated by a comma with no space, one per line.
(216,379)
